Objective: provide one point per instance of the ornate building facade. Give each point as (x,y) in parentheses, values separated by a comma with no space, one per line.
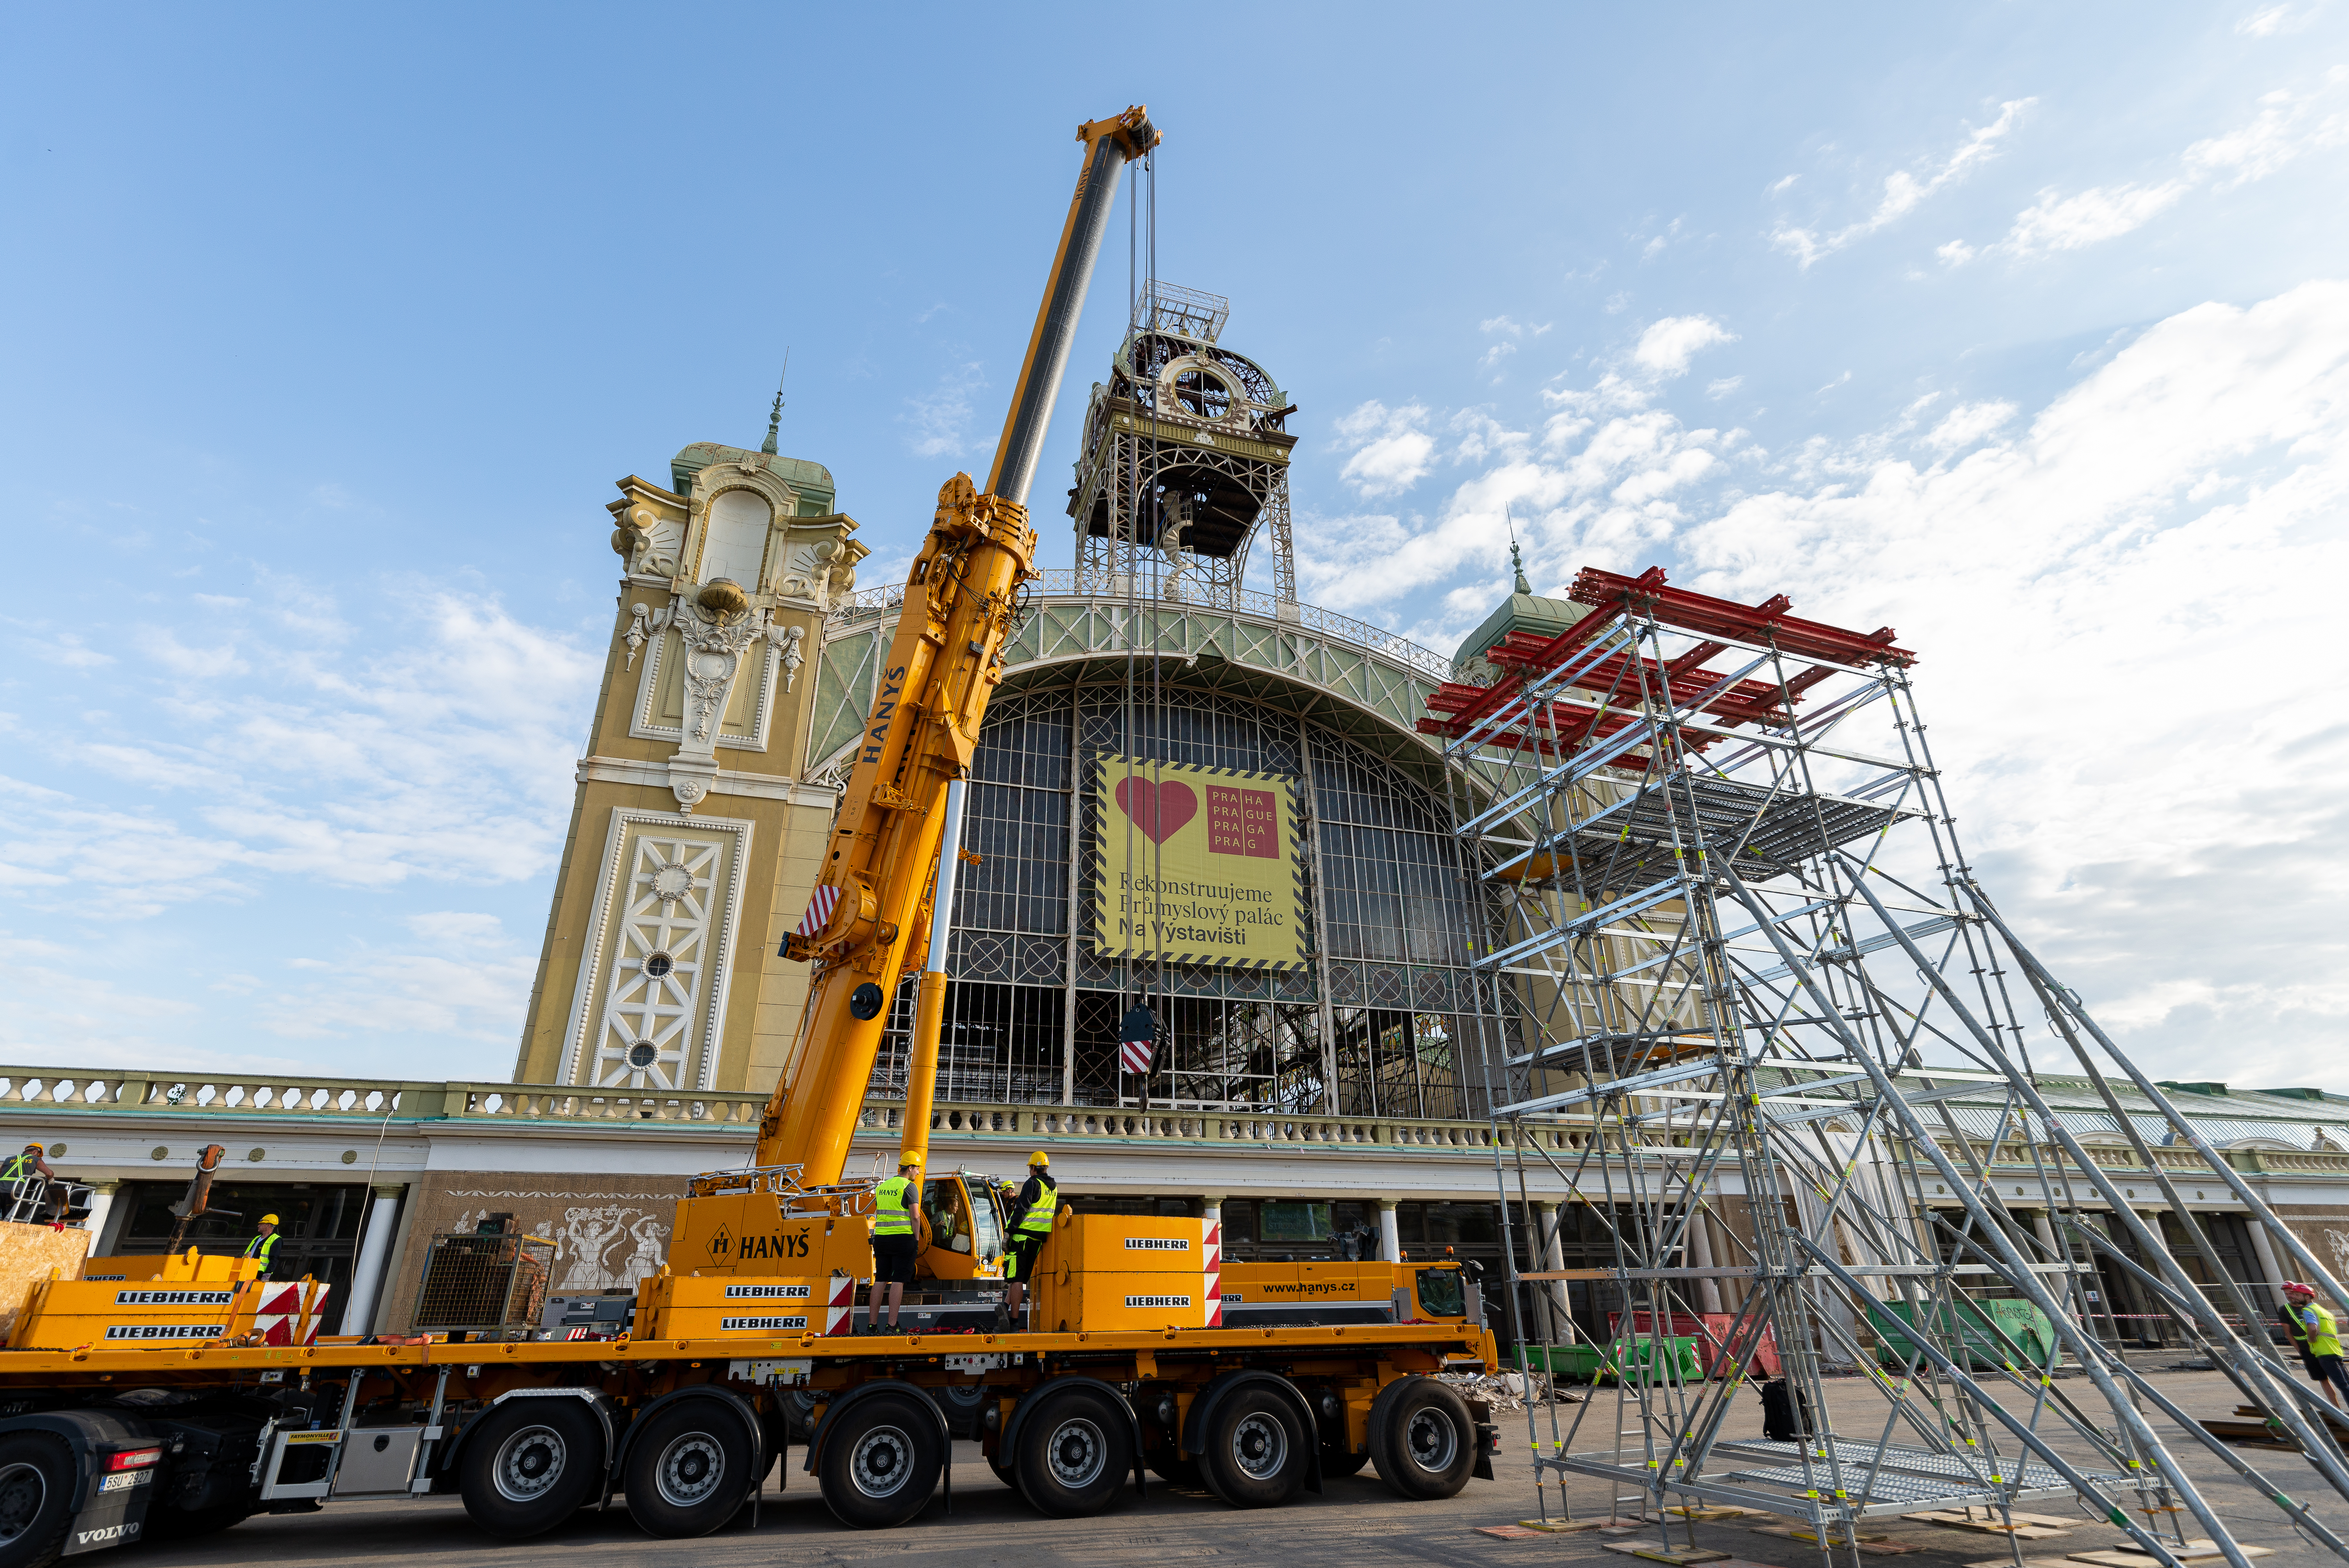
(690,830)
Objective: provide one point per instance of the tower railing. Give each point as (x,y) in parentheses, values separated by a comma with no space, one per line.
(1741,940)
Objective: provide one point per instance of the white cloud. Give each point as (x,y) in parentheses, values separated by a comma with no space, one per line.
(2057,223)
(2087,585)
(1666,347)
(2269,20)
(940,421)
(1904,191)
(2286,128)
(1724,387)
(1391,448)
(447,759)
(1968,423)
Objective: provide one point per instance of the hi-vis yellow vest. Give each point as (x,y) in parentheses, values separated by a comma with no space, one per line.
(2323,1334)
(1038,1217)
(890,1216)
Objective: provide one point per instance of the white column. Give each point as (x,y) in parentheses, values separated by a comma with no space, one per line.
(366,1279)
(2274,1273)
(1552,1256)
(102,1204)
(1390,1237)
(1211,1208)
(1708,1289)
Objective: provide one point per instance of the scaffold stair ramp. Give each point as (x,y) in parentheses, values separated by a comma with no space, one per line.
(1767,1034)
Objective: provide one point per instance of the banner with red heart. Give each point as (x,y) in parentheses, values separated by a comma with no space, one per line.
(1158,809)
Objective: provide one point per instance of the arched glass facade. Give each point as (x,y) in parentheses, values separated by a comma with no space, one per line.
(1386,1021)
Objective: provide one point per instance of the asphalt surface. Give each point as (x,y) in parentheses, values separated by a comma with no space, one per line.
(1356,1520)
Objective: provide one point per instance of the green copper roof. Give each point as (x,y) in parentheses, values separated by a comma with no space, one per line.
(1521,612)
(812,480)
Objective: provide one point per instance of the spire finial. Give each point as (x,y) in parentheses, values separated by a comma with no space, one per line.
(1516,559)
(775,414)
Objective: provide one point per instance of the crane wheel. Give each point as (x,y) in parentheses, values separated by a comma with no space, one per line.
(1421,1438)
(689,1469)
(1075,1449)
(1256,1454)
(529,1465)
(36,1481)
(882,1461)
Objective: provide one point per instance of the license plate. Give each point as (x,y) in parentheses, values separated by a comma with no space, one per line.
(126,1480)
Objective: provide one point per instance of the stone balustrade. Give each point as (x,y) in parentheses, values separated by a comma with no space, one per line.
(54,1090)
(29,1089)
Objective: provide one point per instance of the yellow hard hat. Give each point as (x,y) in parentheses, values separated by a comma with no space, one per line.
(268,1219)
(909,1162)
(1039,1158)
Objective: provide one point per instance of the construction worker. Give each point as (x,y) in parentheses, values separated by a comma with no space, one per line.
(263,1246)
(26,1203)
(896,1208)
(2322,1340)
(1033,1214)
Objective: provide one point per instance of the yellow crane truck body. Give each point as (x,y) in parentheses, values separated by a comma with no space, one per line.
(184,1400)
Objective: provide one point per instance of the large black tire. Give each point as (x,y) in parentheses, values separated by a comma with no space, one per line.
(1257,1453)
(36,1477)
(1421,1438)
(529,1465)
(1076,1448)
(689,1469)
(882,1463)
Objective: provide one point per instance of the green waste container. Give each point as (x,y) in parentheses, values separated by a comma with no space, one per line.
(1588,1362)
(1967,1324)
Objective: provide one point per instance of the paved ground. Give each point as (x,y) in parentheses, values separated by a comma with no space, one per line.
(1356,1521)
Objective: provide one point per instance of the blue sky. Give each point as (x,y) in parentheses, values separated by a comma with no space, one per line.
(2021,328)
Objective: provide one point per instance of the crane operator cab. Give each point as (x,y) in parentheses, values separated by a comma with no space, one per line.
(966,1231)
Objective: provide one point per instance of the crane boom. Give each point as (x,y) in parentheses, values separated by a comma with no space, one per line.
(944,661)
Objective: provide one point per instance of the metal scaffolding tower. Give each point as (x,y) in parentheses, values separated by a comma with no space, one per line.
(1753,969)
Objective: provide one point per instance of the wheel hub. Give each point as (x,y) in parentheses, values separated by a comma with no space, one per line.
(1431,1440)
(23,1490)
(529,1463)
(1078,1451)
(1260,1445)
(690,1470)
(883,1459)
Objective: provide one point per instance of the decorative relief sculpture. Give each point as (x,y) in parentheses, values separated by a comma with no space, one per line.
(793,657)
(713,654)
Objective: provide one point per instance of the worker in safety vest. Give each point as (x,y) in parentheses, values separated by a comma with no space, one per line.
(263,1246)
(2322,1340)
(39,1185)
(896,1241)
(1032,1217)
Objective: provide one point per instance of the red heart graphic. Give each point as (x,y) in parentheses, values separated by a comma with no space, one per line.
(1158,809)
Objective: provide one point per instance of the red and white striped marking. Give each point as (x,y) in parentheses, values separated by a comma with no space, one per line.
(285,1317)
(840,1309)
(1211,1252)
(1135,1055)
(819,911)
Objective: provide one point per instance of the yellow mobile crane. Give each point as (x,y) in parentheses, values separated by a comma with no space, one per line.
(184,1398)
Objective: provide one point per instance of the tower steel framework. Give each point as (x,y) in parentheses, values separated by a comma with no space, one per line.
(1186,460)
(1752,968)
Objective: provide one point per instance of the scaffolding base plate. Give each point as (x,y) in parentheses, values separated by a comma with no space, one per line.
(1878,1546)
(1687,1559)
